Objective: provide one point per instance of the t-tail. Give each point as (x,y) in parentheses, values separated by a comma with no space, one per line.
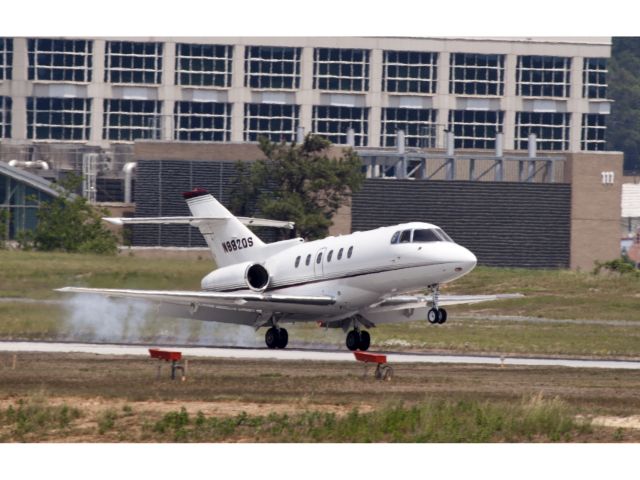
(228,238)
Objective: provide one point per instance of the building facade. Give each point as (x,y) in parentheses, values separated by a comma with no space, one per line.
(106,92)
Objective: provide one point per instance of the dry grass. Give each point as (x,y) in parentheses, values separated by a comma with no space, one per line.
(116,399)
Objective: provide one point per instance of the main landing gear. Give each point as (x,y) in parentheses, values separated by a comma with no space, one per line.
(358,340)
(435,314)
(276,337)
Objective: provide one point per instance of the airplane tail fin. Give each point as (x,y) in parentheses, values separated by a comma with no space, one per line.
(228,238)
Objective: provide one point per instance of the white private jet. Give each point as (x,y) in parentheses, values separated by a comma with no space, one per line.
(351,281)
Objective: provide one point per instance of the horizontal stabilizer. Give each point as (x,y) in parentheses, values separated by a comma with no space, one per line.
(197,221)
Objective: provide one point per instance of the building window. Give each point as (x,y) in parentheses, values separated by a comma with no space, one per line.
(418,124)
(551,129)
(133,62)
(476,74)
(60,60)
(543,76)
(272,67)
(475,128)
(594,78)
(410,72)
(129,120)
(275,121)
(203,65)
(593,131)
(341,69)
(333,122)
(202,122)
(5,117)
(58,118)
(6,58)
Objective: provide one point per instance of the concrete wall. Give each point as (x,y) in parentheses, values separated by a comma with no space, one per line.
(595,207)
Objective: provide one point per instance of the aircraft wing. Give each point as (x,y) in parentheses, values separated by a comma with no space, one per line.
(242,308)
(402,301)
(402,308)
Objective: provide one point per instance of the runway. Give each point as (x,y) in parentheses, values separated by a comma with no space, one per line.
(313,355)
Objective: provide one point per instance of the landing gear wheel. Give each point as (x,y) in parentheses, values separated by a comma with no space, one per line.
(283,338)
(442,315)
(272,338)
(353,340)
(433,315)
(365,341)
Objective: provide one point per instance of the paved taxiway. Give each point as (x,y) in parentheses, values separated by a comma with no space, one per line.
(311,355)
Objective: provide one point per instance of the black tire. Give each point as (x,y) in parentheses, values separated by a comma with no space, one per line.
(283,338)
(353,340)
(433,316)
(365,341)
(271,338)
(442,314)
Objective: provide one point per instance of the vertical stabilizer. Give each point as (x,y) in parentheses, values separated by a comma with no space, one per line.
(229,240)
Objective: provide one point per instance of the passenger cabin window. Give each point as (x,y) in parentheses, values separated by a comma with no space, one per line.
(340,254)
(349,252)
(297,261)
(395,237)
(330,255)
(405,237)
(319,258)
(308,260)
(426,235)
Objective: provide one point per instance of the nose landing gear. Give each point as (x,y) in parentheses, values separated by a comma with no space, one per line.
(436,314)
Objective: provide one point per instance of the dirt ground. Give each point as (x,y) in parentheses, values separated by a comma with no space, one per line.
(97,385)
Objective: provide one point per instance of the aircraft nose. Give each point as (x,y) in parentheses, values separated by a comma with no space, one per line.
(467,259)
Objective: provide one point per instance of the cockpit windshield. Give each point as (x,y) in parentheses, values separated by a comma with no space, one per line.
(420,235)
(426,235)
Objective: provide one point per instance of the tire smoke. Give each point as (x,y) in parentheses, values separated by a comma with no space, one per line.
(100,319)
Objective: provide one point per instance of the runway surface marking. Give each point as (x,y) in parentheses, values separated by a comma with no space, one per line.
(312,355)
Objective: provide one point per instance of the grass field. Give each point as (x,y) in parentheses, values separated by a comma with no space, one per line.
(608,304)
(92,398)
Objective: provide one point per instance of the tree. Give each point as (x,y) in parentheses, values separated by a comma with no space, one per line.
(69,223)
(297,182)
(623,131)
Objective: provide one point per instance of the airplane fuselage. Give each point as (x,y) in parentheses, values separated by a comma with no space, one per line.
(361,268)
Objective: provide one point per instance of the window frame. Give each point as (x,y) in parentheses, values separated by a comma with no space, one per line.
(211,64)
(350,252)
(185,123)
(49,59)
(260,79)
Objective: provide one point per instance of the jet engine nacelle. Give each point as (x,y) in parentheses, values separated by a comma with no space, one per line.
(241,275)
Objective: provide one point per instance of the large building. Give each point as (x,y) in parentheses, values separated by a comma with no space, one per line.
(525,116)
(104,92)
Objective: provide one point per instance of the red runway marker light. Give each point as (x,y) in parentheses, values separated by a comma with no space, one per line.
(370,357)
(165,355)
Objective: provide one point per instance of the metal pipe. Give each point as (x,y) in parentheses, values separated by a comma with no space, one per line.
(532,145)
(400,141)
(450,143)
(351,137)
(40,164)
(499,144)
(128,177)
